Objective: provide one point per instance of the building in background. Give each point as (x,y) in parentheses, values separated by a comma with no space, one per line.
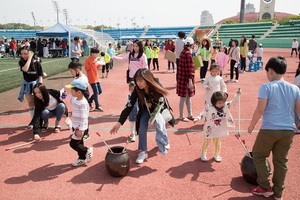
(250,8)
(267,9)
(206,19)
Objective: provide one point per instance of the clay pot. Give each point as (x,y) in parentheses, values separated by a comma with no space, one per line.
(249,171)
(117,162)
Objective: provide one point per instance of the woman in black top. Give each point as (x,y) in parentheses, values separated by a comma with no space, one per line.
(149,94)
(47,104)
(32,74)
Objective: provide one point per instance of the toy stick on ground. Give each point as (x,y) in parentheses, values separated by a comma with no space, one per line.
(23,144)
(104,142)
(243,145)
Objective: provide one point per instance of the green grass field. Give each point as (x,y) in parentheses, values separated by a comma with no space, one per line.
(11,76)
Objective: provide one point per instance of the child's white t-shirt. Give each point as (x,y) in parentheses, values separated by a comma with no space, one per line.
(80,114)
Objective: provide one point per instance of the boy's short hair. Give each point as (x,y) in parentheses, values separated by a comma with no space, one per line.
(181,34)
(214,66)
(218,96)
(94,50)
(76,38)
(75,65)
(277,64)
(102,54)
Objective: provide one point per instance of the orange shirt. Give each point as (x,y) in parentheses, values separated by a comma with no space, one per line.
(91,69)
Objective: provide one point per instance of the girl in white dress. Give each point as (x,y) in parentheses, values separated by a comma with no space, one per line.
(213,83)
(217,117)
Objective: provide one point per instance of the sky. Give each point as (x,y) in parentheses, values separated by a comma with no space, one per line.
(153,13)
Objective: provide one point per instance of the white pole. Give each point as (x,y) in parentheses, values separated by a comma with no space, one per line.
(69,38)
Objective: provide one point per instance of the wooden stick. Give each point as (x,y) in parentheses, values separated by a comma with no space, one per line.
(105,143)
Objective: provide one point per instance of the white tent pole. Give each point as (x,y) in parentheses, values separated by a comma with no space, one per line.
(69,38)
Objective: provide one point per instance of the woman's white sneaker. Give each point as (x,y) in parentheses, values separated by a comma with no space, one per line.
(141,157)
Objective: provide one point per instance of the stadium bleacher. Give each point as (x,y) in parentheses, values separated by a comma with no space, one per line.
(138,32)
(158,32)
(118,33)
(18,34)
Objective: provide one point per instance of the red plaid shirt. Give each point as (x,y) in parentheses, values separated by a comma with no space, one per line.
(185,72)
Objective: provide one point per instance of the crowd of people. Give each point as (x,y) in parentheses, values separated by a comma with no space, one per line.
(148,98)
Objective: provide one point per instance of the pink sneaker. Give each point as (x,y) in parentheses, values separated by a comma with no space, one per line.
(262,191)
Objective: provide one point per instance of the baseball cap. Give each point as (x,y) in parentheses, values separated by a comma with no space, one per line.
(78,83)
(260,44)
(189,41)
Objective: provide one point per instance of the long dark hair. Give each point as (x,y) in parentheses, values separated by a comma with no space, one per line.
(22,62)
(244,41)
(38,102)
(154,87)
(141,49)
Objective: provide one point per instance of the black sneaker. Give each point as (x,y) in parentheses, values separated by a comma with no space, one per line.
(99,109)
(90,104)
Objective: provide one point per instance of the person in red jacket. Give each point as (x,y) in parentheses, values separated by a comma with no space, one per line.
(13,46)
(185,87)
(171,47)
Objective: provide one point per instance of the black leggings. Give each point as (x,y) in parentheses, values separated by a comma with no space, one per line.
(243,63)
(148,62)
(106,66)
(78,146)
(203,69)
(232,63)
(155,62)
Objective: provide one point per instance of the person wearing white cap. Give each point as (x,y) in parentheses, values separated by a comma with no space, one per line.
(185,87)
(260,52)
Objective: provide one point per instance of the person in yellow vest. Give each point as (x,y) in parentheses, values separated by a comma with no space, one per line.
(105,65)
(155,52)
(204,52)
(243,53)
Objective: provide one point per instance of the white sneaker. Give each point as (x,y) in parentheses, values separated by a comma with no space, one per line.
(36,137)
(168,146)
(217,158)
(131,138)
(89,154)
(141,157)
(203,158)
(236,81)
(78,162)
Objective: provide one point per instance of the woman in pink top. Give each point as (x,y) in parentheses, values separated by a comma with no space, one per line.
(137,59)
(221,59)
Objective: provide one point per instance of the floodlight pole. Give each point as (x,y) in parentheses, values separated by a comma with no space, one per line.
(65,12)
(33,17)
(57,10)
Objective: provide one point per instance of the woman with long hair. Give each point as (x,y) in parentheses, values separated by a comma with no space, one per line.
(136,58)
(149,94)
(47,104)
